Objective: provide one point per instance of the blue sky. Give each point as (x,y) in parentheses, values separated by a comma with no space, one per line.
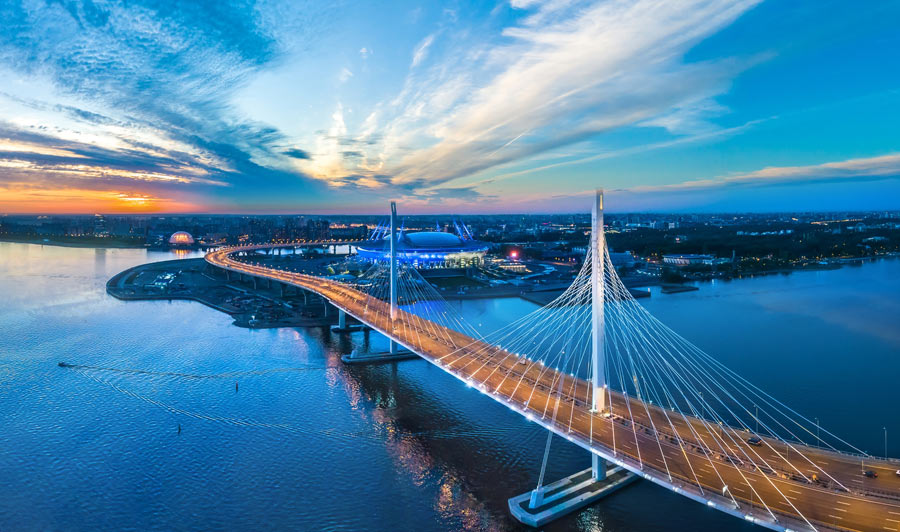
(522,106)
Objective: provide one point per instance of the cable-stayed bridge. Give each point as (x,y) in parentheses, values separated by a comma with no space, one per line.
(596,368)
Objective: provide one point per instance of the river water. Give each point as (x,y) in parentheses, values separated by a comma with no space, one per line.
(306,443)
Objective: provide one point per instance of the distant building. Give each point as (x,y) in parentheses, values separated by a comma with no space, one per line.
(512,266)
(181,239)
(348,231)
(688,260)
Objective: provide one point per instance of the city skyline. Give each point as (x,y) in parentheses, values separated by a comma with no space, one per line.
(472,108)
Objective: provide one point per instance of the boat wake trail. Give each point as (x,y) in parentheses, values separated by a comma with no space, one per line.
(227,375)
(330,433)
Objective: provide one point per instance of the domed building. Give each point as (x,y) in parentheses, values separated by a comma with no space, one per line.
(181,239)
(427,249)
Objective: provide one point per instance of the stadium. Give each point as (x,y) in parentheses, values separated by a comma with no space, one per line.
(426,249)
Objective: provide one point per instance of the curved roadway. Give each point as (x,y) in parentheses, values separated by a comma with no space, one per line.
(684,457)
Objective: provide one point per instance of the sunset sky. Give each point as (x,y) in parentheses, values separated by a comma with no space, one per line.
(522,106)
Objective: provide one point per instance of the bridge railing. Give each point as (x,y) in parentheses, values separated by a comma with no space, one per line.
(678,483)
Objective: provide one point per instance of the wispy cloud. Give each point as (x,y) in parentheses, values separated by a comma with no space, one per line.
(863,169)
(297,153)
(137,98)
(421,51)
(151,87)
(719,192)
(705,136)
(564,74)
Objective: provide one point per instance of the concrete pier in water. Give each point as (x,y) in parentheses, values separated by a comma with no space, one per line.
(552,501)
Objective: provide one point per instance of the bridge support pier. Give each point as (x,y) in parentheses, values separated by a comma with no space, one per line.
(550,502)
(342,326)
(598,467)
(395,354)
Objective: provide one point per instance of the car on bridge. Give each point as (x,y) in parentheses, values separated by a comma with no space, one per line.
(754,441)
(870,474)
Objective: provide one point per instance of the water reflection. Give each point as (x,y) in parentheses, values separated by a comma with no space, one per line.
(425,440)
(100,260)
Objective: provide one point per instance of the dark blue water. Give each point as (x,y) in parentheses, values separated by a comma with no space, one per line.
(306,443)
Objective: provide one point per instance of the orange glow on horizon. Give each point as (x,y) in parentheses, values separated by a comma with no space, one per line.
(81,201)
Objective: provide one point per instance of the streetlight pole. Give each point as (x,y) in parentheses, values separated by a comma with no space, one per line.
(885,442)
(818,440)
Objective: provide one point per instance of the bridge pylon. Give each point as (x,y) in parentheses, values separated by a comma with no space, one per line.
(394,282)
(552,501)
(395,351)
(598,271)
(598,288)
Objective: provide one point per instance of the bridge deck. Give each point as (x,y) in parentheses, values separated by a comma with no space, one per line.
(664,447)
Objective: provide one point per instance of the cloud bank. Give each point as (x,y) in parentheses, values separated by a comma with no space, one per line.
(147,89)
(564,73)
(859,170)
(132,100)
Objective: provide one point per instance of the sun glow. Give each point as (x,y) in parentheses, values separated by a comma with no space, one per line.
(74,200)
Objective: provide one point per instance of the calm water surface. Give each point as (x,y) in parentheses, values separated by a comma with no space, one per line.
(306,443)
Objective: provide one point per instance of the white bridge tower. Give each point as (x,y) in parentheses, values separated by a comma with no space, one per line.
(394,243)
(598,286)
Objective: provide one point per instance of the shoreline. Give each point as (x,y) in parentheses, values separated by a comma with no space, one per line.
(259,306)
(193,280)
(62,244)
